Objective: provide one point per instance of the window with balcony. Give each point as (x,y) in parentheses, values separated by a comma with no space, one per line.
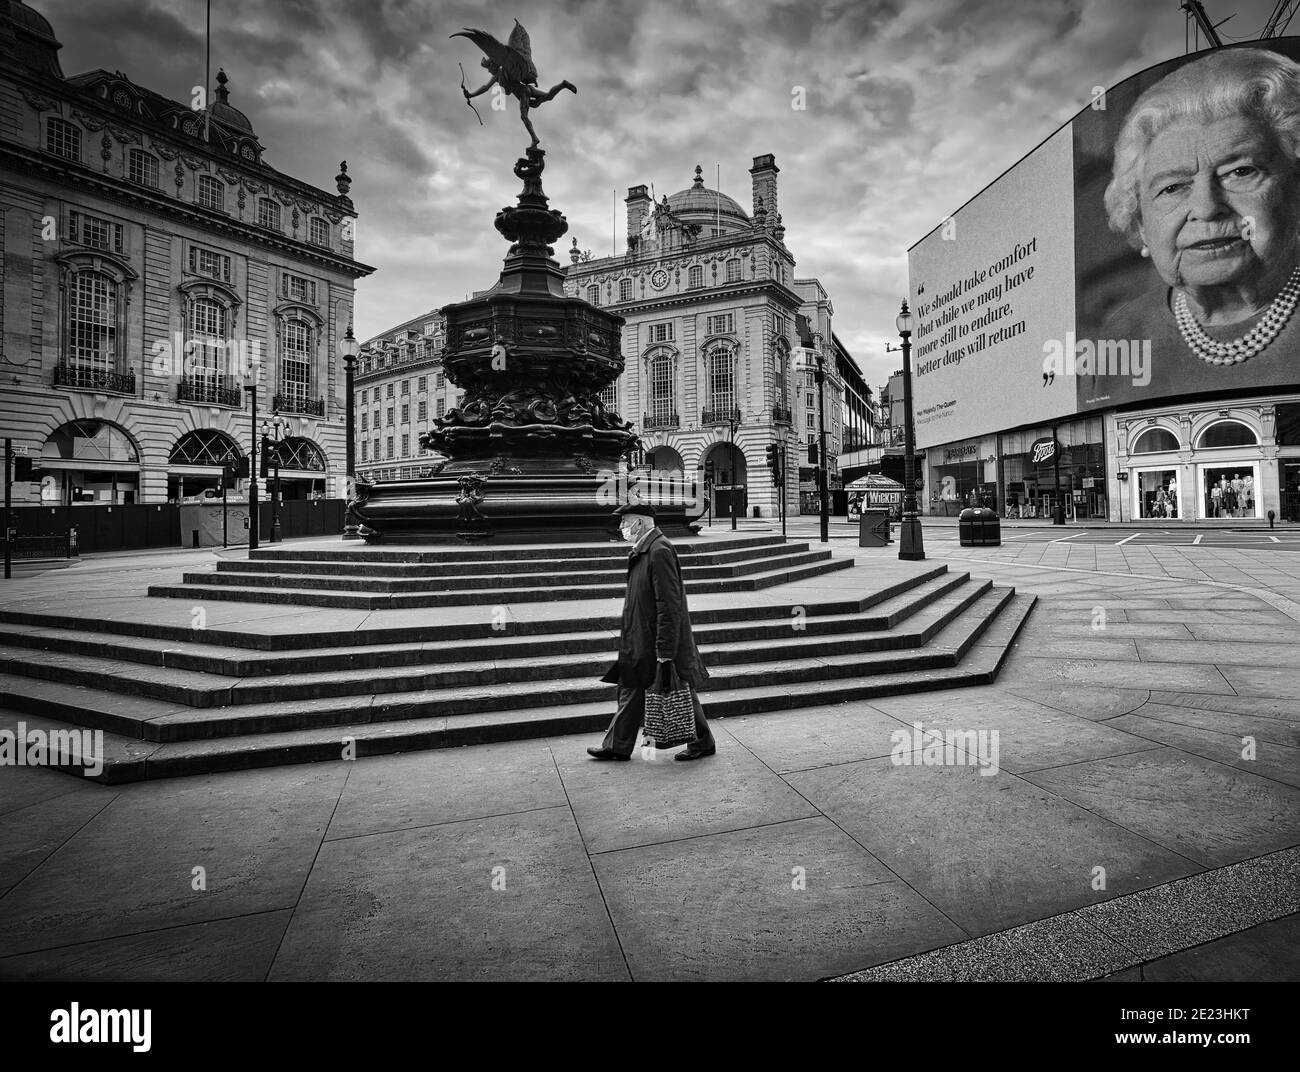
(720,365)
(212,193)
(92,323)
(206,379)
(62,138)
(142,168)
(662,396)
(295,364)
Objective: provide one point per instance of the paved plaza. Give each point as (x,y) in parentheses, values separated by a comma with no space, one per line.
(1142,820)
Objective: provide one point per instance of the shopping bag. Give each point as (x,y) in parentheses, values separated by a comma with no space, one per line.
(669,709)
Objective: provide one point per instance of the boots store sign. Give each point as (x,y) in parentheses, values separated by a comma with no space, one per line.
(1043,451)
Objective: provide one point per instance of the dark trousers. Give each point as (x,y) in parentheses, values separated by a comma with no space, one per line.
(630,716)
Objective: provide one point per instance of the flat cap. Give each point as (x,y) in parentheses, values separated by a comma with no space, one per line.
(636,508)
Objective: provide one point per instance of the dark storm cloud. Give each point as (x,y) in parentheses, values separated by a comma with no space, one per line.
(911,108)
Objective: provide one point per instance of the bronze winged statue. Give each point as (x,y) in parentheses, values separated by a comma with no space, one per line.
(511,66)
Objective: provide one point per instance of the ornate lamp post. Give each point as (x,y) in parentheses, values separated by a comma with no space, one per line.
(253,518)
(271,453)
(733,421)
(910,544)
(348,350)
(824,506)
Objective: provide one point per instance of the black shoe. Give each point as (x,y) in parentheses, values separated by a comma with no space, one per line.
(688,754)
(606,753)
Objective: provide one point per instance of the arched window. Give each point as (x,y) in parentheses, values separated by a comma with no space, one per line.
(1227,434)
(90,441)
(295,361)
(720,368)
(696,279)
(92,322)
(663,401)
(207,339)
(1155,441)
(204,446)
(299,453)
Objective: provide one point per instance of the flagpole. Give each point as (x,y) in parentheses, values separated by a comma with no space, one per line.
(717,201)
(207,75)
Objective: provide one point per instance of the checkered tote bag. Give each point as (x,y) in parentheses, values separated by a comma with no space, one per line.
(669,710)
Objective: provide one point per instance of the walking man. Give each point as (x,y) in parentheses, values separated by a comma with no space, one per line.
(656,629)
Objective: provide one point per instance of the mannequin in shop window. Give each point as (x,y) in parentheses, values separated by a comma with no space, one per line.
(1229,498)
(1216,501)
(1239,499)
(1248,491)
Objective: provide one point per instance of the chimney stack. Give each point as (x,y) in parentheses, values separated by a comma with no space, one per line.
(638,207)
(763,174)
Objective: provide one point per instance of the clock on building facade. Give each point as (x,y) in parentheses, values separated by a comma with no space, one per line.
(659,280)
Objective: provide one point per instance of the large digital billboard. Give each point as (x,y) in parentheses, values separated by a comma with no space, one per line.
(1149,249)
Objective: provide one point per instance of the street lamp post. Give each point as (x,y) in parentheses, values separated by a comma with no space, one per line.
(253,518)
(734,475)
(822,494)
(349,348)
(910,544)
(271,453)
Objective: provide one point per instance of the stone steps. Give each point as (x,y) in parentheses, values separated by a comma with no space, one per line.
(873,627)
(978,639)
(269,589)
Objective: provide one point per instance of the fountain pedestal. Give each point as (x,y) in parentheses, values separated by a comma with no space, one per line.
(532,454)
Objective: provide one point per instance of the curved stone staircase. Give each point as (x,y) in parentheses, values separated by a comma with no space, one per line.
(779,627)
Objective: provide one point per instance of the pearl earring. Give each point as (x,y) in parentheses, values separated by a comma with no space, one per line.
(1146,252)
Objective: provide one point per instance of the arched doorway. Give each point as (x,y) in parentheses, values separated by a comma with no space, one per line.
(302,469)
(725,476)
(195,464)
(88,461)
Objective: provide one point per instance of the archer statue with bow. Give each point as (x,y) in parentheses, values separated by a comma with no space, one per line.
(511,66)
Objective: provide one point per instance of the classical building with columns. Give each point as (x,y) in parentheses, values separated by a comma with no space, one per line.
(153,265)
(717,363)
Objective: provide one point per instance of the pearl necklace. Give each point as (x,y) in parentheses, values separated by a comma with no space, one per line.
(1238,350)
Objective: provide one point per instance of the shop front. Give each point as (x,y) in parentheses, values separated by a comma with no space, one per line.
(1213,463)
(962,474)
(1043,466)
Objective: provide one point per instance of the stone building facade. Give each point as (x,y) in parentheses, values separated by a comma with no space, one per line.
(153,266)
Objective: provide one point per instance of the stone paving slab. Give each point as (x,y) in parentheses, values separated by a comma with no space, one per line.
(447,785)
(1201,809)
(420,905)
(724,906)
(1093,702)
(984,849)
(1022,667)
(643,801)
(38,784)
(1267,952)
(1264,680)
(841,733)
(1281,763)
(1030,735)
(130,868)
(30,835)
(237,950)
(1258,706)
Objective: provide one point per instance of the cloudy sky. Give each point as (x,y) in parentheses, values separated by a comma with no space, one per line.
(912,107)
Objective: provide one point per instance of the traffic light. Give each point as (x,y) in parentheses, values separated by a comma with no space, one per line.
(22,468)
(772,462)
(266,450)
(242,468)
(228,475)
(812,453)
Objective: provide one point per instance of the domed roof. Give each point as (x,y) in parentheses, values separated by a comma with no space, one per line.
(223,111)
(27,38)
(702,202)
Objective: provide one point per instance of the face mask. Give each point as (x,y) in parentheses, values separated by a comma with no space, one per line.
(628,533)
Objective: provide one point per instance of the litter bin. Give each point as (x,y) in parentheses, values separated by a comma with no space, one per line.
(873,528)
(979,527)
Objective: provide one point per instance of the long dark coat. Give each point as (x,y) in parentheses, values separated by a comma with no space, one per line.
(656,622)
